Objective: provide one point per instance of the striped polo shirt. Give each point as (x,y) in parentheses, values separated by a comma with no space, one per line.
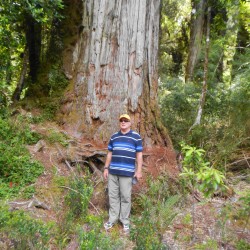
(124,148)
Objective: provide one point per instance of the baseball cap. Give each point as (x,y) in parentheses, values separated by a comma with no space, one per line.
(125,116)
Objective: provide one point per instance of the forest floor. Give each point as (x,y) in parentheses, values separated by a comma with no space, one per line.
(214,227)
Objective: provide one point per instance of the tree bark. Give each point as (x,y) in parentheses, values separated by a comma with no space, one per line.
(111,58)
(204,85)
(230,42)
(197,22)
(34,40)
(17,93)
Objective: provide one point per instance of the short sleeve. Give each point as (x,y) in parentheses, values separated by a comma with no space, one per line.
(110,145)
(139,147)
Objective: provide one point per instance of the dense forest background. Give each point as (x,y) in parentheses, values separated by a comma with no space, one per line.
(51,199)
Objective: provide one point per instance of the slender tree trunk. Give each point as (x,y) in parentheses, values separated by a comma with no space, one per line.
(204,85)
(197,22)
(111,59)
(17,93)
(34,40)
(230,41)
(8,69)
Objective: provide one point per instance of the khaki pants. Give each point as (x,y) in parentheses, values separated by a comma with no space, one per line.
(119,190)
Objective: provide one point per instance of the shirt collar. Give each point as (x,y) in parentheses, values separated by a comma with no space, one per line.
(130,131)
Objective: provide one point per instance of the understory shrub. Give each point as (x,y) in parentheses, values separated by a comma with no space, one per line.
(92,236)
(224,128)
(18,169)
(150,225)
(157,211)
(23,231)
(78,197)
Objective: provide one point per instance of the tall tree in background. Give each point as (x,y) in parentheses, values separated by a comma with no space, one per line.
(196,32)
(111,58)
(22,28)
(205,74)
(33,35)
(230,40)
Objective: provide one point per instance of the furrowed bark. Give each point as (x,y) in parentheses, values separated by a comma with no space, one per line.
(112,59)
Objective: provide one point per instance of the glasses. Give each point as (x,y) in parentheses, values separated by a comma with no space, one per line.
(124,120)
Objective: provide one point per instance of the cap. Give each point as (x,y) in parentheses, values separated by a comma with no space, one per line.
(125,116)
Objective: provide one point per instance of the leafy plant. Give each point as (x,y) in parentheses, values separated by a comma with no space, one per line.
(79,194)
(198,174)
(91,236)
(25,232)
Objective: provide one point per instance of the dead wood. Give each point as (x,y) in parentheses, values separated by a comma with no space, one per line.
(15,205)
(95,169)
(64,159)
(38,204)
(91,153)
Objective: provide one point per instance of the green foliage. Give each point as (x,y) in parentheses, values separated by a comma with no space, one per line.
(13,21)
(242,245)
(57,81)
(178,102)
(156,213)
(198,174)
(79,194)
(59,137)
(25,232)
(175,17)
(224,129)
(154,219)
(234,214)
(209,244)
(17,167)
(91,236)
(49,109)
(244,211)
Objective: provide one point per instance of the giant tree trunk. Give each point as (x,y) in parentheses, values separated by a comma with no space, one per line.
(111,58)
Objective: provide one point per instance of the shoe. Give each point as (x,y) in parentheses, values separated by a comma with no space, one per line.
(108,225)
(126,228)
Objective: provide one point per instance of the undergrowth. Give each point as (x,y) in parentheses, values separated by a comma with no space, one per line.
(92,236)
(157,211)
(18,169)
(23,231)
(75,218)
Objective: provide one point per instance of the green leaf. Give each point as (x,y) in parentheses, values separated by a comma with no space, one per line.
(217,177)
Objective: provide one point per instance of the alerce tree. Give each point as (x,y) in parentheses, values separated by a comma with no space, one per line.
(111,58)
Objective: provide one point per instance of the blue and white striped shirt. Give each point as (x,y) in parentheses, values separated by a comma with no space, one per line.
(124,148)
